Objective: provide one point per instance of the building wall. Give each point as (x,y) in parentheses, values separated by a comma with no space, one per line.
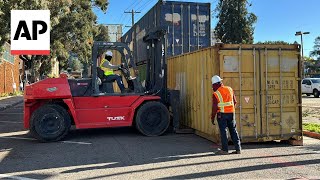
(9,71)
(114,32)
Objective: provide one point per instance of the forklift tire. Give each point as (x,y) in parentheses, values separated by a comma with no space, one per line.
(50,123)
(152,119)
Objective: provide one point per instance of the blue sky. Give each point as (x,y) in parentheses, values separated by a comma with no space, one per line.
(277,19)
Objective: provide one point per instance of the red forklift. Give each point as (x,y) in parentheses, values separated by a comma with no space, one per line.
(53,105)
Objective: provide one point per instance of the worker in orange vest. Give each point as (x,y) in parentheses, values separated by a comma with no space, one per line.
(223,105)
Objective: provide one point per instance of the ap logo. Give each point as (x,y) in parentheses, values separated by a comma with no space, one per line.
(30,32)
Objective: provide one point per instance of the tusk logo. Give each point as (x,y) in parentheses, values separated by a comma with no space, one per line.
(117,118)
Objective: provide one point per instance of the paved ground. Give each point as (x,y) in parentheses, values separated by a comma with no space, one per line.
(125,154)
(310,109)
(6,102)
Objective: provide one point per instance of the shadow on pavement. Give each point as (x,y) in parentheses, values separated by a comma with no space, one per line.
(242,169)
(168,167)
(120,147)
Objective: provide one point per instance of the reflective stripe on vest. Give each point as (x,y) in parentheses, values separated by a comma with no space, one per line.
(107,71)
(225,107)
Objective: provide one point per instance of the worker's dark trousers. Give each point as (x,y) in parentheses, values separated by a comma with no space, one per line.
(117,78)
(226,120)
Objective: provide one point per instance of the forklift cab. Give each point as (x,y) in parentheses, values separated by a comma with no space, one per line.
(128,69)
(97,84)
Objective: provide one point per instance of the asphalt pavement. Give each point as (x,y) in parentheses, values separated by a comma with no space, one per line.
(7,102)
(123,153)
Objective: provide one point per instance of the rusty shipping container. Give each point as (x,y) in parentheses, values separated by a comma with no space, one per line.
(187,25)
(266,80)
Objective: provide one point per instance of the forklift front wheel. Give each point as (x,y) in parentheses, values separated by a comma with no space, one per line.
(50,122)
(152,118)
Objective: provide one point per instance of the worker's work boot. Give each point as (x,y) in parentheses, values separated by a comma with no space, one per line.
(236,152)
(221,152)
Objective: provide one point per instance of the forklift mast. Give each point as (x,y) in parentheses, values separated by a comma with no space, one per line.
(156,79)
(156,70)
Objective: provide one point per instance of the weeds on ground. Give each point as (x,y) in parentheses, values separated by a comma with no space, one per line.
(305,113)
(4,94)
(312,127)
(16,93)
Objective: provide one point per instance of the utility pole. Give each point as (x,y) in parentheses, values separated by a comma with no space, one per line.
(132,14)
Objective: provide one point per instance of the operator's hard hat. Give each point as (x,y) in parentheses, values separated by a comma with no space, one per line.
(216,79)
(109,53)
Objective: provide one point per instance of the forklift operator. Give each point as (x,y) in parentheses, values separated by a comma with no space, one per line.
(108,68)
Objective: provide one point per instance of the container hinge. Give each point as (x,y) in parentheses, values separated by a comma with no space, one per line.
(275,123)
(298,79)
(299,105)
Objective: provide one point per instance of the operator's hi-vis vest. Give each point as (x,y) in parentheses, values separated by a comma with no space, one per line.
(107,71)
(224,95)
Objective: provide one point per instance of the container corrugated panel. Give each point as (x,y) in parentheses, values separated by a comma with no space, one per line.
(265,80)
(187,24)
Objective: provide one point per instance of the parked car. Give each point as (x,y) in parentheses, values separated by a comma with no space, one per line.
(311,86)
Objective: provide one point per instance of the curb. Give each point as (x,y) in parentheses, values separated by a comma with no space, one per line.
(311,134)
(10,105)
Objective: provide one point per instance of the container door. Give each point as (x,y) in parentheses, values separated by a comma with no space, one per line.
(177,29)
(238,69)
(279,93)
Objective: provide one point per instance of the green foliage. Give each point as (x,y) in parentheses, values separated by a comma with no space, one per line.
(102,4)
(316,48)
(274,42)
(4,94)
(312,66)
(75,64)
(16,93)
(235,23)
(312,127)
(101,33)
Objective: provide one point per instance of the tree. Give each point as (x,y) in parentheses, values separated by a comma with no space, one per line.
(312,66)
(235,23)
(316,49)
(274,42)
(72,25)
(102,33)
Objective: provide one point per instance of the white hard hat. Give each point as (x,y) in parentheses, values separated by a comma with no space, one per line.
(215,79)
(109,53)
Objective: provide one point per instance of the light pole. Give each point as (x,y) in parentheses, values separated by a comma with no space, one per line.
(300,33)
